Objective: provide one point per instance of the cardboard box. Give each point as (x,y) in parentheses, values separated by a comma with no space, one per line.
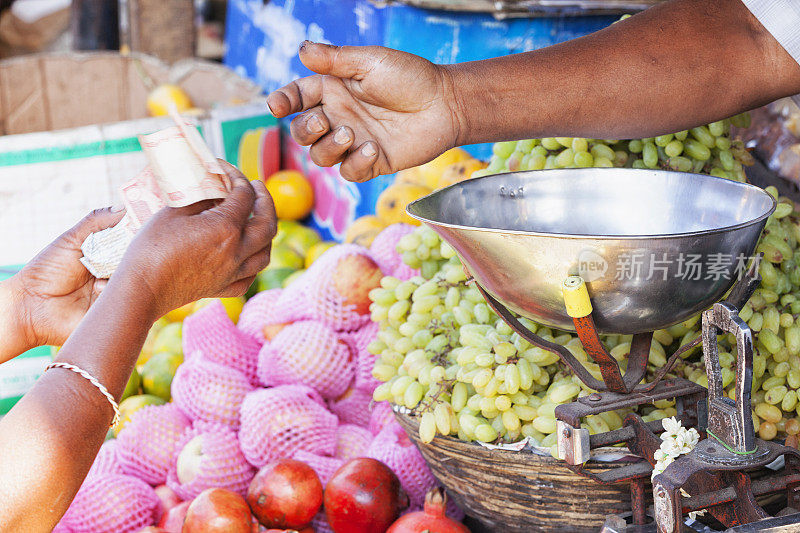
(96,104)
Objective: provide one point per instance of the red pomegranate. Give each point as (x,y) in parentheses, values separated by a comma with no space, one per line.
(363,496)
(172,520)
(285,494)
(218,511)
(433,518)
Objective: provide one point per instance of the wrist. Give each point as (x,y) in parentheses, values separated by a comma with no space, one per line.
(16,330)
(134,293)
(455,84)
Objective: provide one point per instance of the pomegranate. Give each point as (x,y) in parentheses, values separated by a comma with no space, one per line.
(363,496)
(433,518)
(285,494)
(355,275)
(172,520)
(218,511)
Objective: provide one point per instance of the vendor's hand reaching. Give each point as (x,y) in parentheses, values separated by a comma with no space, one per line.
(373,109)
(54,290)
(202,250)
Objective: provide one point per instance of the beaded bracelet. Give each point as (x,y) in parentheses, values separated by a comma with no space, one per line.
(94,382)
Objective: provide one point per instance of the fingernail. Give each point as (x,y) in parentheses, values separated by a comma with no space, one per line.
(117,208)
(270,108)
(314,124)
(304,44)
(368,150)
(341,136)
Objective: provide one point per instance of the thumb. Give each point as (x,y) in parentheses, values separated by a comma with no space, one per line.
(341,61)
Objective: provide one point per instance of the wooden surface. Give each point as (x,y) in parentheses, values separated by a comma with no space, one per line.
(162,29)
(510,491)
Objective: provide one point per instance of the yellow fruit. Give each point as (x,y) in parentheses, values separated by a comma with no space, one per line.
(285,227)
(317,250)
(291,277)
(179,314)
(292,194)
(458,172)
(233,306)
(301,238)
(160,98)
(158,372)
(132,388)
(363,230)
(284,257)
(431,172)
(391,205)
(149,342)
(169,339)
(410,175)
(128,406)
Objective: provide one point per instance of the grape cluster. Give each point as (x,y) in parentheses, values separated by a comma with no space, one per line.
(772,314)
(707,149)
(444,353)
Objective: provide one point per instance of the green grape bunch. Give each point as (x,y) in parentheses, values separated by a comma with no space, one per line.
(704,149)
(443,353)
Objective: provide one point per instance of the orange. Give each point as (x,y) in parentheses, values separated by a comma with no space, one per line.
(391,204)
(292,194)
(160,98)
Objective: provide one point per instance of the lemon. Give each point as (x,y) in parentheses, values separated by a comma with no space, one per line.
(233,306)
(169,339)
(301,239)
(132,388)
(160,98)
(272,278)
(133,404)
(179,314)
(284,228)
(317,250)
(157,374)
(284,257)
(292,277)
(292,194)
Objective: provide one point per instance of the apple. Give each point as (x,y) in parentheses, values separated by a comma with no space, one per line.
(168,498)
(218,511)
(354,276)
(172,520)
(190,460)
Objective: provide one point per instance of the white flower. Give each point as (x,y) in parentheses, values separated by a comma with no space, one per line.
(656,471)
(684,493)
(660,456)
(671,448)
(683,444)
(692,437)
(671,426)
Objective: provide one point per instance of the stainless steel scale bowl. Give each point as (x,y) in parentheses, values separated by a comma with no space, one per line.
(635,236)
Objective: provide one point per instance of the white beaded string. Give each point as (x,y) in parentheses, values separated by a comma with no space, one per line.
(94,382)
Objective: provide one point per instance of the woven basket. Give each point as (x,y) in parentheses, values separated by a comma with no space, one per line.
(511,491)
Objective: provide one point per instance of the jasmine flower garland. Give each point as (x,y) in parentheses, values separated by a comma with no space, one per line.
(675,441)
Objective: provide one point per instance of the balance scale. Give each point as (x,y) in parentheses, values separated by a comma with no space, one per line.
(560,247)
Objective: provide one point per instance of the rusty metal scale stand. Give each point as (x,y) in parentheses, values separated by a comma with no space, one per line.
(490,229)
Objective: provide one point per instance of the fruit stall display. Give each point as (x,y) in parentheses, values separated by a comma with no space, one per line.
(260,411)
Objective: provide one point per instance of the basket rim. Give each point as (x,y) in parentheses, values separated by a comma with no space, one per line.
(412,420)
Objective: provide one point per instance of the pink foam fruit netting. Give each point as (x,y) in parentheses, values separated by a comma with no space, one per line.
(211,392)
(277,422)
(147,445)
(222,465)
(212,333)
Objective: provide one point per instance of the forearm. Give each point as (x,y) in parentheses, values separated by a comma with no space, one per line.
(13,338)
(674,66)
(50,438)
